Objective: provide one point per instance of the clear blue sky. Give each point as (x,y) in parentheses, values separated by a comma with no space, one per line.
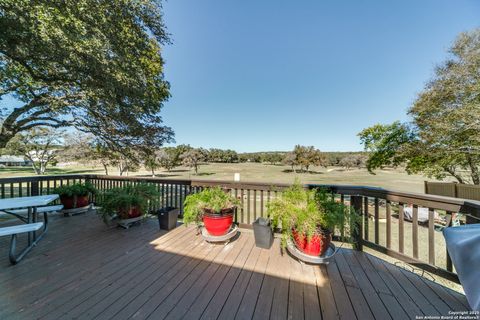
(265,75)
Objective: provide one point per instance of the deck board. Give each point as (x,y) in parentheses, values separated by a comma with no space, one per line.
(198,279)
(234,299)
(213,296)
(279,309)
(374,301)
(83,269)
(325,294)
(340,294)
(295,296)
(250,297)
(265,297)
(404,300)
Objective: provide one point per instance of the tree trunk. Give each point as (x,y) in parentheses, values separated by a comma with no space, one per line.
(106,169)
(475,177)
(454,174)
(153,173)
(35,168)
(473,170)
(43,168)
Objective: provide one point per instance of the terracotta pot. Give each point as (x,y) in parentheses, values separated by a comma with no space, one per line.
(69,202)
(218,224)
(317,245)
(133,212)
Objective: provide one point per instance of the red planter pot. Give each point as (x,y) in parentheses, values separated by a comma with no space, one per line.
(216,224)
(316,246)
(69,202)
(133,212)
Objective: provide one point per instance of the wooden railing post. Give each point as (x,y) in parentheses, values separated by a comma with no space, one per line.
(92,196)
(356,205)
(34,189)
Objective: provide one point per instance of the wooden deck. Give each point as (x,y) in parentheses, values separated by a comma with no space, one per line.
(85,270)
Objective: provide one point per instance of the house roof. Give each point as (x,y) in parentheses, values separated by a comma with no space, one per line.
(9,158)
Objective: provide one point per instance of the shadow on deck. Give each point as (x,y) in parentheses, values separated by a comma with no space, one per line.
(83,269)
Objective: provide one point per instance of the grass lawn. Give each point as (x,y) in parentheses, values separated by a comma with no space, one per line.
(394,179)
(389,179)
(6,172)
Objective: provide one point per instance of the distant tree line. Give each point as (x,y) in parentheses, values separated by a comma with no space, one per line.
(300,159)
(274,157)
(45,147)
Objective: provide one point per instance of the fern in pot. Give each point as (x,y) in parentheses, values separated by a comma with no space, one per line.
(309,218)
(75,195)
(128,202)
(213,208)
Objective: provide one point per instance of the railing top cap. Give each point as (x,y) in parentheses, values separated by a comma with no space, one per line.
(439,202)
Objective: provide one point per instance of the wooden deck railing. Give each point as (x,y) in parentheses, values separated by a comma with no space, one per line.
(385,229)
(383,225)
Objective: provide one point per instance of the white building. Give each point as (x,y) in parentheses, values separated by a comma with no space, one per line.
(14,161)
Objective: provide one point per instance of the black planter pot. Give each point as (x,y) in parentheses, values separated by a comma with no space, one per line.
(263,233)
(167,218)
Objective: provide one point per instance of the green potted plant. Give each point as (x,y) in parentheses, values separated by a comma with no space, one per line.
(212,207)
(76,195)
(128,204)
(309,218)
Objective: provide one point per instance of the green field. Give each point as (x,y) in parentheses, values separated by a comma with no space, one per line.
(394,179)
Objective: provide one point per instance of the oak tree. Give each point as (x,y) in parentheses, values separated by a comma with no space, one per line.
(39,145)
(192,158)
(443,138)
(94,65)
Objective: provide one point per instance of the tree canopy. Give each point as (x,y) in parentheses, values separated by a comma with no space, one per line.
(93,65)
(307,156)
(192,158)
(443,138)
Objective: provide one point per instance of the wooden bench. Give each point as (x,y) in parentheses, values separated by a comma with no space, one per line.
(39,209)
(14,231)
(22,215)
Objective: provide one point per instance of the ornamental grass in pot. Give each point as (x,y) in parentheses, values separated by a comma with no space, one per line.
(309,218)
(76,195)
(213,208)
(128,202)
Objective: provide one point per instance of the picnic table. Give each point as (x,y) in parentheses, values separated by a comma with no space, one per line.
(27,209)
